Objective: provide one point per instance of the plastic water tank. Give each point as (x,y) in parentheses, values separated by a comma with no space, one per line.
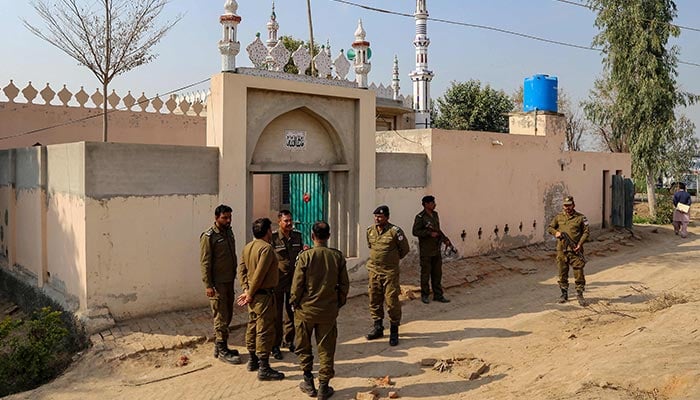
(540,93)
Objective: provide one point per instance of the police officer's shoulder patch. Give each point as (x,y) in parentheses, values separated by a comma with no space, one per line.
(208,232)
(585,220)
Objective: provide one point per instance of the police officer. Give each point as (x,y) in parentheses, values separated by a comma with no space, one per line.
(320,287)
(218,263)
(259,276)
(388,245)
(426,226)
(570,250)
(287,243)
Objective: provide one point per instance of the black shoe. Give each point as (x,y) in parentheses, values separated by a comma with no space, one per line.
(276,353)
(292,347)
(266,373)
(324,391)
(377,331)
(441,299)
(394,335)
(223,353)
(307,385)
(581,301)
(253,362)
(564,296)
(425,298)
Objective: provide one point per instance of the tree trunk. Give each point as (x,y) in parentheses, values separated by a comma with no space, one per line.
(104,113)
(651,195)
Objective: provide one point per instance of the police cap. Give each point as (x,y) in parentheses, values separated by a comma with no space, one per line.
(568,200)
(381,210)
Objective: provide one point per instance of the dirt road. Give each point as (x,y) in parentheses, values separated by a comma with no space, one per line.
(638,339)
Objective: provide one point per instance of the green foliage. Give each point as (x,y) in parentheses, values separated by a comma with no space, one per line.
(682,146)
(664,208)
(468,106)
(31,351)
(292,44)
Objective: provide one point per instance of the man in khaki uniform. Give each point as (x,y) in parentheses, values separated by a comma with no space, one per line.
(426,226)
(319,288)
(287,243)
(570,251)
(388,245)
(218,263)
(259,276)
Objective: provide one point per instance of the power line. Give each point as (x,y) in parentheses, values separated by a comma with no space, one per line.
(573,3)
(101,114)
(486,27)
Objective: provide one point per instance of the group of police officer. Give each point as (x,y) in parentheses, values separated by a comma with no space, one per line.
(294,292)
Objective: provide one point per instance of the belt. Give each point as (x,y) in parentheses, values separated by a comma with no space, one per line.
(264,291)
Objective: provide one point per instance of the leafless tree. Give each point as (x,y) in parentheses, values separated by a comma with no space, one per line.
(109,37)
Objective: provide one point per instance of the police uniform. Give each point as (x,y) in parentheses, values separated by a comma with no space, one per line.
(319,288)
(218,263)
(387,247)
(287,249)
(430,258)
(576,226)
(259,276)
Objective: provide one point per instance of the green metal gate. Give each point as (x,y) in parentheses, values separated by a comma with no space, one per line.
(622,201)
(307,201)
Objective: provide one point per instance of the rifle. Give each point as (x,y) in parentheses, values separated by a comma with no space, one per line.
(564,237)
(449,247)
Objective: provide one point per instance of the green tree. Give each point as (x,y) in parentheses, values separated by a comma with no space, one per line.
(109,37)
(641,70)
(598,110)
(292,44)
(469,106)
(682,146)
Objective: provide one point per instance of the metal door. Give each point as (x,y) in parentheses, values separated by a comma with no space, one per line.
(622,201)
(307,201)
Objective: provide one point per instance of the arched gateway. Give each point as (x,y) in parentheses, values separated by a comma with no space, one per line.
(303,144)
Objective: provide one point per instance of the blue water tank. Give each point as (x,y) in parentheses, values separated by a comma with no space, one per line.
(540,93)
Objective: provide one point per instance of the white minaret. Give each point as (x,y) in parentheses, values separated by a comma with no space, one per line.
(422,76)
(229,45)
(395,79)
(272,28)
(362,64)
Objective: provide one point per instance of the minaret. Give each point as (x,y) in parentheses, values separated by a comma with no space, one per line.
(422,76)
(395,79)
(229,45)
(272,27)
(362,64)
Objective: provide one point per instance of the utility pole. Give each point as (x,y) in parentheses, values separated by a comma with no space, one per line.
(311,37)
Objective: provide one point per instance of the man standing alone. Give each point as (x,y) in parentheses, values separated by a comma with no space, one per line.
(287,243)
(320,287)
(218,263)
(426,227)
(259,276)
(681,218)
(387,246)
(571,228)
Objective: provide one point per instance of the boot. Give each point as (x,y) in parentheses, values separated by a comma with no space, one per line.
(581,300)
(266,373)
(223,353)
(324,391)
(394,334)
(277,353)
(377,331)
(307,385)
(564,296)
(253,362)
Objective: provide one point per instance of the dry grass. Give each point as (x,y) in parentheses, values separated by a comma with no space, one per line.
(666,300)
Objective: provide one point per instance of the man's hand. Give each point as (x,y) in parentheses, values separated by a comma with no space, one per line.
(244,299)
(211,292)
(557,234)
(434,234)
(578,248)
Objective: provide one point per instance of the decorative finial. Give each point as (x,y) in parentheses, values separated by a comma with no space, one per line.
(273,16)
(231,6)
(360,33)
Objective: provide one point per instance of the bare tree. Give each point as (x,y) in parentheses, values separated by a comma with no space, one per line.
(109,37)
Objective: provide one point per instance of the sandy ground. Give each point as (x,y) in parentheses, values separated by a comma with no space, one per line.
(638,339)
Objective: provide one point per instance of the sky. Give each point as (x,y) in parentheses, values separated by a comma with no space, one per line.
(457,53)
